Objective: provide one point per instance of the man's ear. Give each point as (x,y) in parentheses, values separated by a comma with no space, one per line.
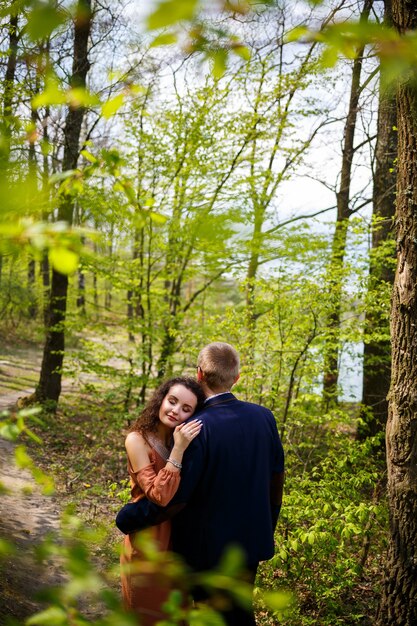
(237,378)
(200,375)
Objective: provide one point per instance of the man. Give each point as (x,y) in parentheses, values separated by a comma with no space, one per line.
(231,480)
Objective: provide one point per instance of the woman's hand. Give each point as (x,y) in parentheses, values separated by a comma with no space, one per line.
(185,433)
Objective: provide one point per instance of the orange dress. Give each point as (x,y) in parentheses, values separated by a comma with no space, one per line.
(145,592)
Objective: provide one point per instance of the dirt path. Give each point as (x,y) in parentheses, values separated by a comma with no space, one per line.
(26,517)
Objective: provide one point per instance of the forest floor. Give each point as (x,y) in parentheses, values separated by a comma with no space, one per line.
(27,516)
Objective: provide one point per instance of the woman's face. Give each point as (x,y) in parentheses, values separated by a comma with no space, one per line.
(177,406)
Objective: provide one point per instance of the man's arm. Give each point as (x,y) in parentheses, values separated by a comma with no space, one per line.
(138,515)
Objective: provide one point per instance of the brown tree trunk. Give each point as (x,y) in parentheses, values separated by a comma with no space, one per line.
(32,189)
(9,80)
(331,350)
(377,352)
(49,386)
(7,117)
(398,605)
(45,269)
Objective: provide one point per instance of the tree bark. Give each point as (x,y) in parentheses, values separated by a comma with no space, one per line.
(398,605)
(49,386)
(377,352)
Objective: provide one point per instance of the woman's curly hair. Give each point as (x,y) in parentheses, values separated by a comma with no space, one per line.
(148,420)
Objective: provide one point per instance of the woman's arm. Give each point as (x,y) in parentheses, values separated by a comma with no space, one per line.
(160,487)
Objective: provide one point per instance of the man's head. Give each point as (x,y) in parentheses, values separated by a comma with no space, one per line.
(218,366)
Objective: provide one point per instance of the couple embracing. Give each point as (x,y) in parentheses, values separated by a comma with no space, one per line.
(202,482)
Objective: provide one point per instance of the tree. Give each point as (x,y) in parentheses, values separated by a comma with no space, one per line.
(8,91)
(49,385)
(377,347)
(344,212)
(399,598)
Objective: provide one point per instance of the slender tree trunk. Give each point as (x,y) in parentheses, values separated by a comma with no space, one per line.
(9,81)
(49,386)
(32,191)
(398,605)
(45,269)
(377,352)
(7,117)
(46,281)
(81,291)
(33,307)
(108,284)
(331,351)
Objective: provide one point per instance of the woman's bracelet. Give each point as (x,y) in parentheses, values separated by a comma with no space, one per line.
(175,463)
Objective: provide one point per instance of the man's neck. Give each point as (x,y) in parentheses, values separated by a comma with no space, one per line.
(213,394)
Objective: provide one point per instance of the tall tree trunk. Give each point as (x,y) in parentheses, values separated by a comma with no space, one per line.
(398,605)
(49,386)
(9,80)
(331,351)
(45,269)
(7,117)
(81,292)
(377,352)
(32,191)
(108,283)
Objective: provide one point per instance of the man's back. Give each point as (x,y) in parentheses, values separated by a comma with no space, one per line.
(226,482)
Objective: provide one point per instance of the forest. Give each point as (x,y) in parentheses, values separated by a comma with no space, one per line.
(177,172)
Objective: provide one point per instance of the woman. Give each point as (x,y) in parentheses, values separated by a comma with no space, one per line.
(155,446)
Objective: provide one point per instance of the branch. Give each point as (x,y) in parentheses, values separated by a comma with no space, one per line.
(297,219)
(205,286)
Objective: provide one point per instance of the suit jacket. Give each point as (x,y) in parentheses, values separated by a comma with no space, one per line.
(225,486)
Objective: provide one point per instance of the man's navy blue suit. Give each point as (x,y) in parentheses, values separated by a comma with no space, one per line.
(226,486)
(225,483)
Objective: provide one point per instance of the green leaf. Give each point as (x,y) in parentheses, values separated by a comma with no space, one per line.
(53,616)
(219,58)
(53,94)
(88,156)
(9,431)
(243,52)
(158,218)
(56,178)
(170,12)
(296,33)
(110,107)
(43,19)
(81,97)
(232,562)
(277,600)
(63,260)
(164,39)
(6,548)
(22,458)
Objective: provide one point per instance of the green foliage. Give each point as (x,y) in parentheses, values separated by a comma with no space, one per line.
(397,52)
(43,19)
(330,532)
(13,425)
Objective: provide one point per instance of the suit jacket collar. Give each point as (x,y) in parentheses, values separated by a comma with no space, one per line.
(224,398)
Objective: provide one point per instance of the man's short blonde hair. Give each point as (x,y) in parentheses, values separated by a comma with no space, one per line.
(219,363)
